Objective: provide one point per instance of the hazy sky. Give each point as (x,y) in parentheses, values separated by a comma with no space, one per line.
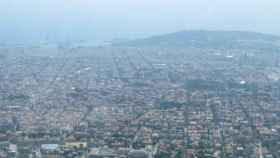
(98,20)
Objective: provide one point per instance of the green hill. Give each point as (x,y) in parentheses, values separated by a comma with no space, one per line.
(208,39)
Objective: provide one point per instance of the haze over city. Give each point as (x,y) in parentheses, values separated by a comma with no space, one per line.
(101,20)
(139,79)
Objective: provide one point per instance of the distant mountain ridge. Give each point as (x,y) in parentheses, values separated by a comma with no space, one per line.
(208,39)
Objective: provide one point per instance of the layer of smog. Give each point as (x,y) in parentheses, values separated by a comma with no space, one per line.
(186,94)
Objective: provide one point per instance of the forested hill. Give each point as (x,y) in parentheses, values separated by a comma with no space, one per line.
(208,39)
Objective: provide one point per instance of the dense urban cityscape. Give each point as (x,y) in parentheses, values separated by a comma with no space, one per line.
(139,102)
